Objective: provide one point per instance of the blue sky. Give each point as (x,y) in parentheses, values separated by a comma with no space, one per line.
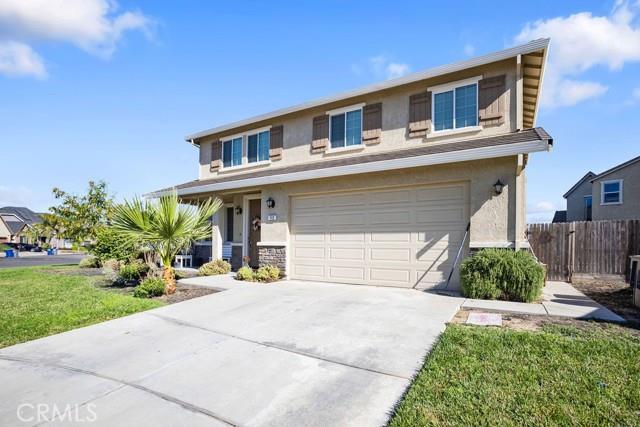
(91,89)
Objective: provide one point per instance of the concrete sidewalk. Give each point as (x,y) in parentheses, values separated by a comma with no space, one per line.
(558,299)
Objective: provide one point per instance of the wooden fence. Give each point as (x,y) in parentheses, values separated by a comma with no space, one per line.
(588,249)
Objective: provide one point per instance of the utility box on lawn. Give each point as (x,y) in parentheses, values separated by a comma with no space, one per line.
(634,278)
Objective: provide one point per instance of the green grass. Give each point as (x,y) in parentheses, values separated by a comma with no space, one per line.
(558,376)
(40,301)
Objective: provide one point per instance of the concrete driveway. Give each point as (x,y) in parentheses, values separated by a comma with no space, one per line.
(292,353)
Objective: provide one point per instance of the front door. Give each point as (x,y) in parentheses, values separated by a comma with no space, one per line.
(254,231)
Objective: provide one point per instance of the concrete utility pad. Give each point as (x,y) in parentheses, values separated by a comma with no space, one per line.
(292,353)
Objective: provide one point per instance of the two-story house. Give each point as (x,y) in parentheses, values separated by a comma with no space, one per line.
(612,194)
(380,185)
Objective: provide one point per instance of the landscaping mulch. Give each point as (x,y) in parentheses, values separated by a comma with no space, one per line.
(184,293)
(615,295)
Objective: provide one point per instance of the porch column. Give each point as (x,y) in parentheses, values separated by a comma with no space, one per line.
(216,236)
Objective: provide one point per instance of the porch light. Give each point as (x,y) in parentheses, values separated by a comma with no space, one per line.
(271,203)
(238,210)
(498,186)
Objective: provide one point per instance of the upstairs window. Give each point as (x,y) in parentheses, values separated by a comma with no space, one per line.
(588,202)
(258,147)
(346,129)
(455,108)
(611,192)
(232,152)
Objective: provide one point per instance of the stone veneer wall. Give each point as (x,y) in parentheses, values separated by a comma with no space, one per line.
(273,255)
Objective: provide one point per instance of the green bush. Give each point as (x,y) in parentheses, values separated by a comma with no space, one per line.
(245,273)
(152,287)
(4,247)
(89,262)
(502,274)
(267,273)
(214,267)
(110,245)
(135,270)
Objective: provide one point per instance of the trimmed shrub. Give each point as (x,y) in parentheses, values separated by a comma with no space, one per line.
(502,274)
(267,273)
(111,268)
(214,267)
(134,270)
(149,288)
(89,262)
(111,245)
(245,273)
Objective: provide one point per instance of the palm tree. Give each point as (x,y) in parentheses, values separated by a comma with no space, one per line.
(166,226)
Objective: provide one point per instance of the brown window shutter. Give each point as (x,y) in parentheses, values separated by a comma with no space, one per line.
(491,100)
(372,123)
(419,114)
(320,140)
(216,155)
(276,140)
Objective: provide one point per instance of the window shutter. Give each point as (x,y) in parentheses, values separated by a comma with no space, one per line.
(419,114)
(216,155)
(276,140)
(320,140)
(372,123)
(491,100)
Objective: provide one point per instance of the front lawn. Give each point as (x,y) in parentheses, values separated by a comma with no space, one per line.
(41,301)
(561,375)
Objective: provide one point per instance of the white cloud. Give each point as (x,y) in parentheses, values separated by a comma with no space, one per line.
(580,42)
(382,67)
(92,25)
(469,49)
(15,196)
(18,59)
(636,93)
(541,212)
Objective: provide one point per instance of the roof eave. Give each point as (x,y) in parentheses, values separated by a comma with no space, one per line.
(532,46)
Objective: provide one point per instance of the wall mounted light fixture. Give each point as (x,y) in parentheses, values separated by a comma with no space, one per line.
(498,186)
(238,210)
(271,203)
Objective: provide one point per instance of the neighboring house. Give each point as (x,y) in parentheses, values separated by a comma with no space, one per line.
(14,222)
(377,185)
(612,194)
(559,216)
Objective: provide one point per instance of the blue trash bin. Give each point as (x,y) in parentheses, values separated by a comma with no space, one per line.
(50,251)
(9,253)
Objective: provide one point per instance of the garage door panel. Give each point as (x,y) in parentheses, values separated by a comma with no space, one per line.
(308,271)
(309,252)
(397,217)
(353,218)
(342,273)
(346,237)
(391,275)
(441,215)
(390,197)
(383,237)
(454,193)
(390,254)
(347,201)
(391,236)
(355,254)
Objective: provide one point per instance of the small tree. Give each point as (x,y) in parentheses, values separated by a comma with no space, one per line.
(82,216)
(166,226)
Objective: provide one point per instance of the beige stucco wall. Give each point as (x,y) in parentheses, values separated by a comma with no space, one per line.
(630,207)
(492,216)
(5,234)
(575,202)
(395,116)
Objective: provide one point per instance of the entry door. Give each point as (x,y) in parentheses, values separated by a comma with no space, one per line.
(395,237)
(254,230)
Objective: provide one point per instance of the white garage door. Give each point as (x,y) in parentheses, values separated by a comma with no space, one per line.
(400,237)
